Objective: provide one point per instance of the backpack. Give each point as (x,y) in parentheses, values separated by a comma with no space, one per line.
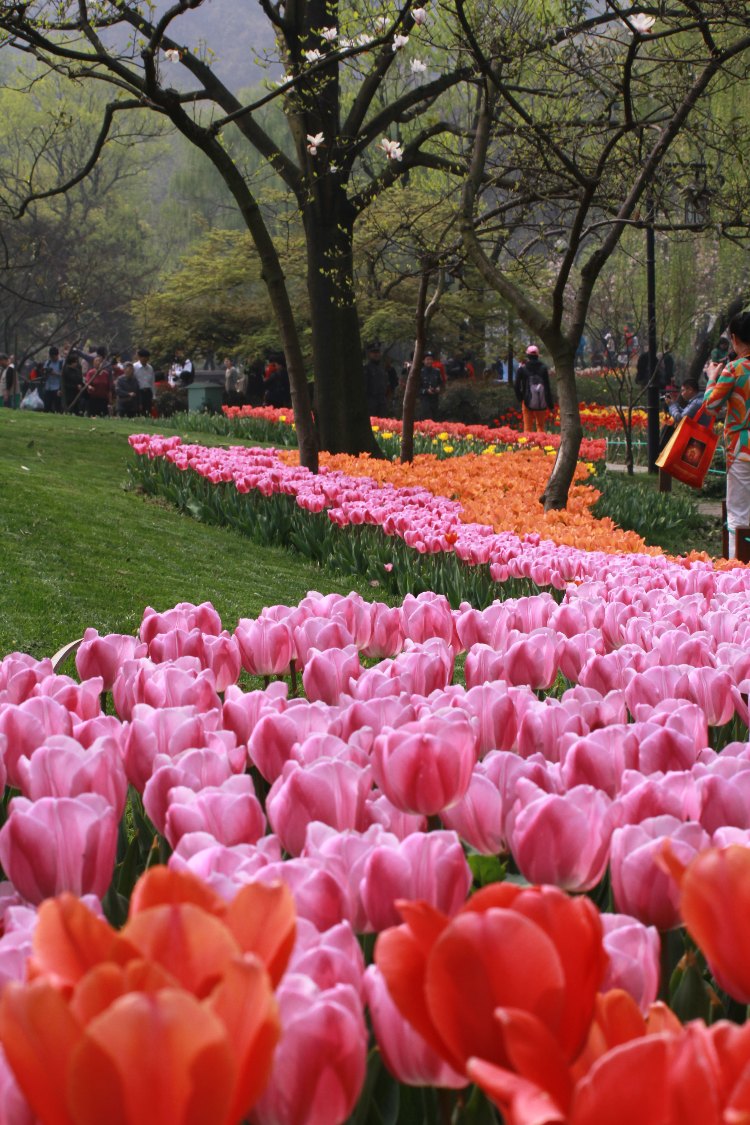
(536,398)
(455,369)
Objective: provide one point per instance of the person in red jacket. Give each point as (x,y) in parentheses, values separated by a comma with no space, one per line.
(98,386)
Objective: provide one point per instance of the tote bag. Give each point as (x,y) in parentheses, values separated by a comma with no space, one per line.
(688,454)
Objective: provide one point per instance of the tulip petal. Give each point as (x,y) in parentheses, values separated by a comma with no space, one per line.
(69,940)
(38,1035)
(401,955)
(158,1059)
(628,1084)
(521,1102)
(715,905)
(498,959)
(161,885)
(106,983)
(263,920)
(245,1004)
(195,947)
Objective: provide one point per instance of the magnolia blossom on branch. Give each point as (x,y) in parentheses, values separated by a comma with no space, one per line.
(172,55)
(418,67)
(419,15)
(314,142)
(640,23)
(392,149)
(400,41)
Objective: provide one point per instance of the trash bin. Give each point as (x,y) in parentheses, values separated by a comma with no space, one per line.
(205,398)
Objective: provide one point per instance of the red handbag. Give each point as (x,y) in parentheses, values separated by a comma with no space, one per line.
(688,454)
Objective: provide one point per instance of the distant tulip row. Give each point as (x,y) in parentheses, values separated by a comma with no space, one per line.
(402,537)
(267,423)
(577,753)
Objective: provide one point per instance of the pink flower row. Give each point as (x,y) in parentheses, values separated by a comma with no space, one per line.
(427,523)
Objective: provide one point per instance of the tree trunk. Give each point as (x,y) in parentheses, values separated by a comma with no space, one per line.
(709,339)
(555,495)
(423,316)
(341,413)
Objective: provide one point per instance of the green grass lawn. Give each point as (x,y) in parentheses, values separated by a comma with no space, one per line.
(81,548)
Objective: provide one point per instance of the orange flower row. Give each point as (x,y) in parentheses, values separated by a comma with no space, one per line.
(503,492)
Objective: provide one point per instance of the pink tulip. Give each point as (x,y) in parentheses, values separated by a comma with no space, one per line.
(390,711)
(639,885)
(221,656)
(386,631)
(561,839)
(634,952)
(541,729)
(615,670)
(492,708)
(104,656)
(317,894)
(673,794)
(229,812)
(426,616)
(483,665)
(28,725)
(600,758)
(334,792)
(224,869)
(425,668)
(655,684)
(724,802)
(272,742)
(406,1054)
(59,844)
(576,653)
(175,644)
(596,710)
(62,768)
(478,817)
(425,767)
(192,769)
(242,709)
(533,660)
(103,726)
(19,674)
(664,748)
(183,616)
(319,1064)
(82,700)
(169,730)
(328,674)
(266,646)
(711,689)
(181,683)
(401,824)
(344,856)
(329,958)
(322,745)
(319,633)
(430,867)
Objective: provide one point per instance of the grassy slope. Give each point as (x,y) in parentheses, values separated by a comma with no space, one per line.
(81,549)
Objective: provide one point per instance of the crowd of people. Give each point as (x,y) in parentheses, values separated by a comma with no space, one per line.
(99,382)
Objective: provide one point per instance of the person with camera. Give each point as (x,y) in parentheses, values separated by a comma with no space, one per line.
(729,385)
(684,403)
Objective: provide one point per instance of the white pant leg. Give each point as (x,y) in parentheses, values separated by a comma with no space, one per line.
(738,500)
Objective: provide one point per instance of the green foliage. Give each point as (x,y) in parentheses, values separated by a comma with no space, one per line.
(668,520)
(82,548)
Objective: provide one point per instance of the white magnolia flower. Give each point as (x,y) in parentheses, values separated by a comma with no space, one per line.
(329,34)
(418,67)
(172,55)
(314,142)
(382,23)
(364,39)
(392,149)
(313,56)
(284,79)
(641,23)
(419,15)
(345,43)
(400,41)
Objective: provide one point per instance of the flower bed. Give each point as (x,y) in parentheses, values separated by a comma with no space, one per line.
(596,745)
(266,423)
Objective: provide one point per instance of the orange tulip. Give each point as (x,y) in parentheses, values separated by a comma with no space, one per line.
(715,906)
(169,1022)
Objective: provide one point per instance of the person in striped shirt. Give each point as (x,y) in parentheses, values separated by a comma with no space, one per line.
(729,384)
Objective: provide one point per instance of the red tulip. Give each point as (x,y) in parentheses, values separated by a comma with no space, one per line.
(530,950)
(715,906)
